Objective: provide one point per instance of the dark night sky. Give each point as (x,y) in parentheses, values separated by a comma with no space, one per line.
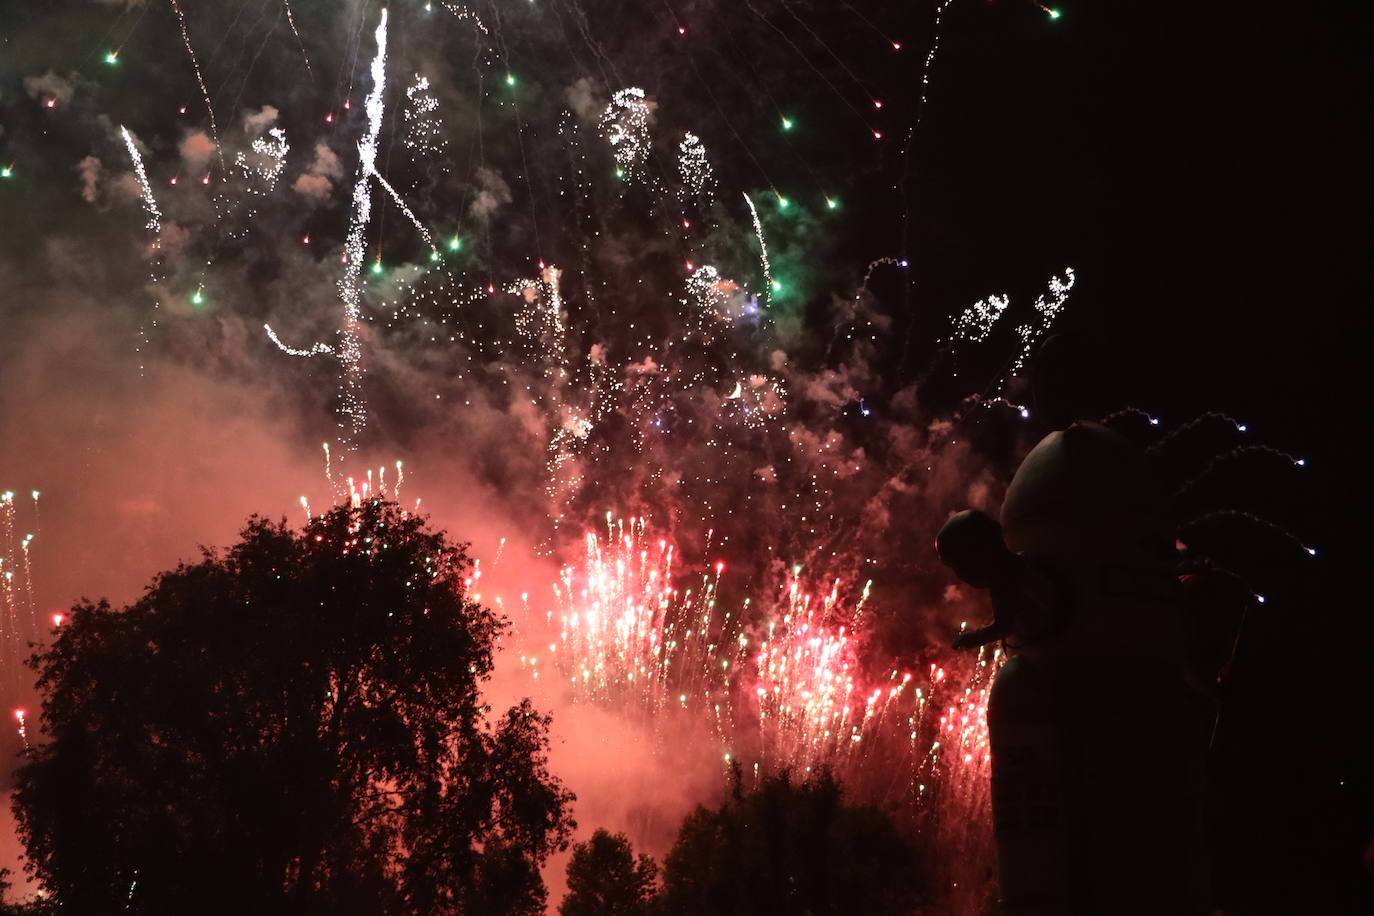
(1203,169)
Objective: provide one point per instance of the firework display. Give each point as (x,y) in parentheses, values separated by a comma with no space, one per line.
(596,289)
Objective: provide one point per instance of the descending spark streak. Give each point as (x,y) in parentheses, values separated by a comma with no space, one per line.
(318,349)
(930,62)
(415,220)
(352,402)
(291,20)
(763,252)
(200,79)
(462,12)
(154,225)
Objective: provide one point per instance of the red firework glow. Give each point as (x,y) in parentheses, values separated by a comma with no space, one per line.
(779,684)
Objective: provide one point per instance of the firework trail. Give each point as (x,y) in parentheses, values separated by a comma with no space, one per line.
(22,718)
(463,12)
(410,215)
(200,79)
(763,251)
(154,226)
(353,404)
(291,20)
(317,349)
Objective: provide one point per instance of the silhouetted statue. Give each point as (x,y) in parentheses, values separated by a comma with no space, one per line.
(1025,600)
(1097,743)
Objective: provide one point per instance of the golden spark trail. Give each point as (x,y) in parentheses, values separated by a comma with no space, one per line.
(154,225)
(200,79)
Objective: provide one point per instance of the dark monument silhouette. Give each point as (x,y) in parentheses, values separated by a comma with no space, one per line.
(1098,744)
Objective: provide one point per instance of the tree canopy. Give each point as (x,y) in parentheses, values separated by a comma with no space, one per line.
(789,847)
(605,879)
(294,725)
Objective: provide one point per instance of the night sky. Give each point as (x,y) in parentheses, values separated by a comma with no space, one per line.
(1202,171)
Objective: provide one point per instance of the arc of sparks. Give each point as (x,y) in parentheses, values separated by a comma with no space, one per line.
(319,349)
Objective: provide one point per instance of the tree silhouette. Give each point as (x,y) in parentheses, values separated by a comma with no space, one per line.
(604,879)
(294,725)
(790,848)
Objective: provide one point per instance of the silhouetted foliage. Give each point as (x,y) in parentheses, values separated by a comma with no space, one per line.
(605,879)
(294,725)
(790,848)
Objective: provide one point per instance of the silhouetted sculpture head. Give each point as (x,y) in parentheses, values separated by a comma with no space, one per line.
(971,545)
